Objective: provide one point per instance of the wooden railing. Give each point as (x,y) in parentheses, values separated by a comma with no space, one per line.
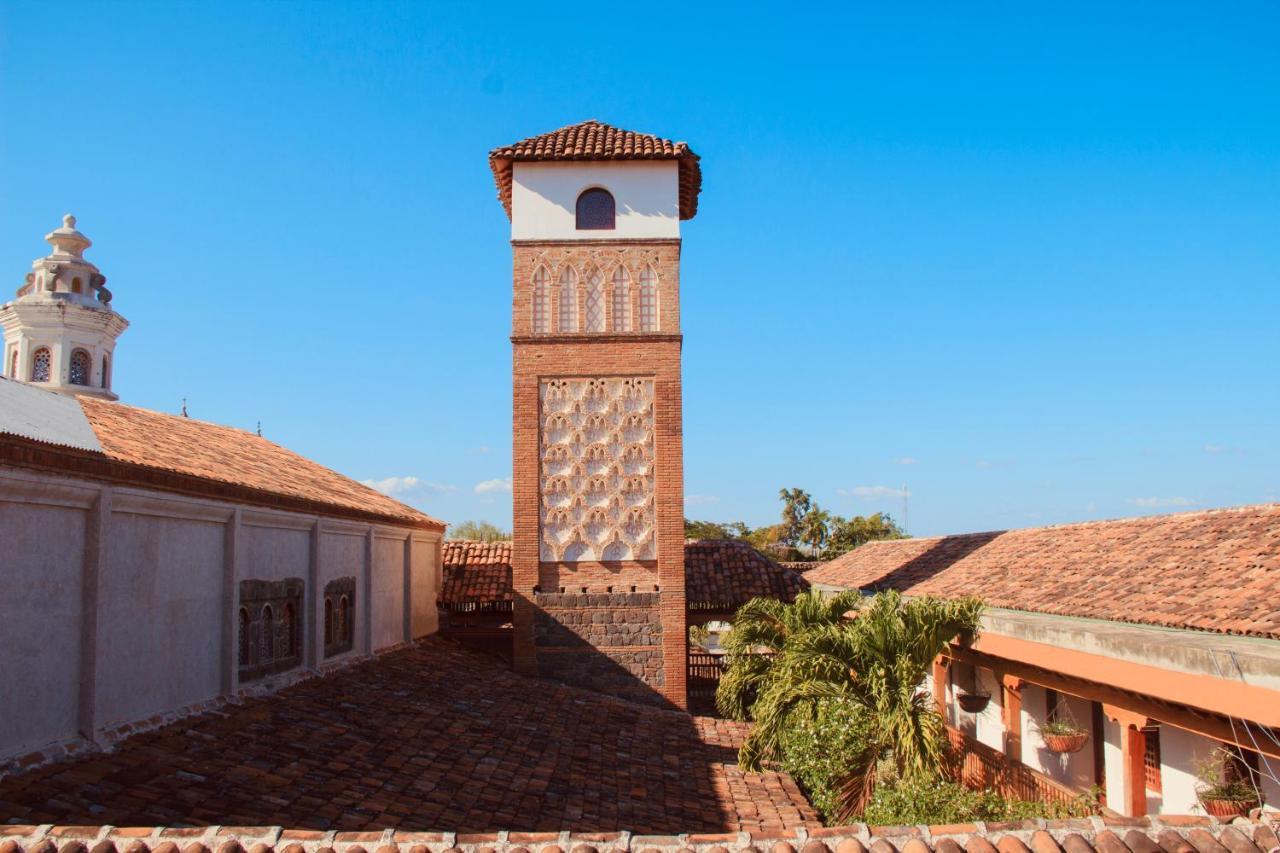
(979,767)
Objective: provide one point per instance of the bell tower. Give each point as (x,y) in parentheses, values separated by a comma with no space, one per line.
(60,330)
(598,491)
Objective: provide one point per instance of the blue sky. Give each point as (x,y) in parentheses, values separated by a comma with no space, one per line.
(1024,260)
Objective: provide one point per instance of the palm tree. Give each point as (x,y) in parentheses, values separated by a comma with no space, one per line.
(877,661)
(761,629)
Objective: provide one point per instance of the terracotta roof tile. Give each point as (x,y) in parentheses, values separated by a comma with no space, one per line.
(595,140)
(1215,570)
(724,575)
(476,573)
(226,455)
(719,575)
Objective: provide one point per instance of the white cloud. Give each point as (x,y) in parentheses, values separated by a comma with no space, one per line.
(1215,449)
(869,492)
(496,485)
(1177,500)
(905,460)
(701,500)
(404,486)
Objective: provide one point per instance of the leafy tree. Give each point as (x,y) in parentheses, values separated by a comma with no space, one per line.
(815,528)
(791,659)
(478,531)
(796,504)
(847,534)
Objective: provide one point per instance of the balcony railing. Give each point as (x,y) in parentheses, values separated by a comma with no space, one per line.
(979,767)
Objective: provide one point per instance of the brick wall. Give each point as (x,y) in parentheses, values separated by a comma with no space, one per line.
(654,588)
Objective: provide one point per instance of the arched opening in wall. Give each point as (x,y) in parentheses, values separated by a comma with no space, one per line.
(106,371)
(541,301)
(76,285)
(13,364)
(288,645)
(596,210)
(344,620)
(328,621)
(266,646)
(648,300)
(80,367)
(242,639)
(595,301)
(621,300)
(41,365)
(569,300)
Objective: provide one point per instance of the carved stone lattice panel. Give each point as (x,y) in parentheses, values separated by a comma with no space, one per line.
(597,478)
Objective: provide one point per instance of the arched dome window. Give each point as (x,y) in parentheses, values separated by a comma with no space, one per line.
(541,301)
(569,300)
(596,210)
(621,300)
(76,286)
(595,301)
(41,363)
(80,367)
(106,371)
(648,300)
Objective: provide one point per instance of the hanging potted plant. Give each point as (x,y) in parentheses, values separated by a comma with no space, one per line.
(1224,788)
(974,703)
(1063,736)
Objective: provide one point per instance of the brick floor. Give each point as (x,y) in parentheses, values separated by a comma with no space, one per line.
(432,737)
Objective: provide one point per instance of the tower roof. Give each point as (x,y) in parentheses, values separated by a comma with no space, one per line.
(595,140)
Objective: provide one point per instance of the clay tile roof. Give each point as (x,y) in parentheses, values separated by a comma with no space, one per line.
(234,457)
(476,574)
(595,140)
(724,575)
(1215,570)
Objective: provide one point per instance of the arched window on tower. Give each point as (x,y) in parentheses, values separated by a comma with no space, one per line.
(106,371)
(621,300)
(76,286)
(569,300)
(41,363)
(648,300)
(596,210)
(13,364)
(80,367)
(328,621)
(541,301)
(595,301)
(344,620)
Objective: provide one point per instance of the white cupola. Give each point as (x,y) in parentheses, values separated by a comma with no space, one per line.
(60,330)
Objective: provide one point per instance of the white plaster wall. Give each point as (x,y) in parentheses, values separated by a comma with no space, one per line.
(388,592)
(1179,750)
(341,556)
(1113,765)
(1074,769)
(273,553)
(42,560)
(160,616)
(424,570)
(990,728)
(544,199)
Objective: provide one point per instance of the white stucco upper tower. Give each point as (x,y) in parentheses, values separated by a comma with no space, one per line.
(60,330)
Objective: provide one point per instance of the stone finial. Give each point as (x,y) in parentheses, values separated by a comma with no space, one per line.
(67,240)
(68,221)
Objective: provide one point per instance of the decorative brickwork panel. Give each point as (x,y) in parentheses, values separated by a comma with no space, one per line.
(269,627)
(597,469)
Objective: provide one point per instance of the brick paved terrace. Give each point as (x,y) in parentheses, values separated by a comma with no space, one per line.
(431,737)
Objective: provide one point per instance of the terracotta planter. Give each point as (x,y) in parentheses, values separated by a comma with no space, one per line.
(973,702)
(1227,809)
(1073,742)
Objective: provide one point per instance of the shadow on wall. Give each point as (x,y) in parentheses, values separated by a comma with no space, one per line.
(431,737)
